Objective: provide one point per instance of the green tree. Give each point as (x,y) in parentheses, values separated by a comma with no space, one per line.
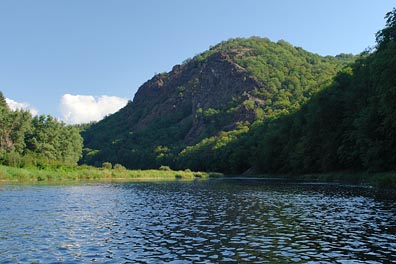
(389,32)
(3,102)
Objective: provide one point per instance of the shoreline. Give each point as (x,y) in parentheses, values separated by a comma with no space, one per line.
(62,173)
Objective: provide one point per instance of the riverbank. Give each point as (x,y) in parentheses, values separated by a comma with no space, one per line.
(386,180)
(68,173)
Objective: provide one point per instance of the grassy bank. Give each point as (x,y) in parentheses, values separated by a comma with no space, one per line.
(385,180)
(62,173)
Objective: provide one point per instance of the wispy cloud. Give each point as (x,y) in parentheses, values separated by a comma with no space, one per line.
(78,109)
(13,105)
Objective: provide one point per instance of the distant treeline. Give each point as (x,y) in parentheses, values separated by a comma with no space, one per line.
(36,141)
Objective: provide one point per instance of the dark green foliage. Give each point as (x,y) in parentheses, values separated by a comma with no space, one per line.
(349,126)
(3,103)
(31,141)
(389,32)
(218,153)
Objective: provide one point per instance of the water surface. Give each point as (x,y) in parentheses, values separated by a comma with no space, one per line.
(215,221)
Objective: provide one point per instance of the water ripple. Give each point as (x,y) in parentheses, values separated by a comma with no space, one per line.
(200,222)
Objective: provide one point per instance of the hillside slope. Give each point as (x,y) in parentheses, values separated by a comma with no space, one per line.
(218,93)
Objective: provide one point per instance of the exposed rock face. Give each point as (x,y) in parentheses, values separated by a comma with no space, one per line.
(193,88)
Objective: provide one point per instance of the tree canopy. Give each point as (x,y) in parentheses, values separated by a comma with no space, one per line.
(30,141)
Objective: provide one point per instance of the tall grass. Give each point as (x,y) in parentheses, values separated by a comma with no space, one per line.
(60,173)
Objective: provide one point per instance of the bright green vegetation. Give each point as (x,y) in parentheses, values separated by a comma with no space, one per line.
(118,172)
(290,75)
(36,141)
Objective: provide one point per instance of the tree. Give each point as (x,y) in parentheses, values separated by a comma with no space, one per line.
(389,32)
(3,102)
(25,139)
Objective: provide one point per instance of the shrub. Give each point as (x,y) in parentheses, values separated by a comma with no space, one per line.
(119,167)
(107,165)
(165,168)
(13,159)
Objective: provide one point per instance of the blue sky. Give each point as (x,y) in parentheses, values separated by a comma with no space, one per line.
(86,49)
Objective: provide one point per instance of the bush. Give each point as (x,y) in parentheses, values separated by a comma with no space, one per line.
(13,159)
(119,167)
(165,168)
(107,165)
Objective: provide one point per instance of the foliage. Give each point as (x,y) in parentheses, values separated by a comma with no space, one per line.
(350,125)
(389,32)
(119,167)
(33,141)
(164,168)
(69,172)
(217,153)
(107,165)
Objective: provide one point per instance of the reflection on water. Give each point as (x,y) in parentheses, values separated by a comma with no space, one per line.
(208,222)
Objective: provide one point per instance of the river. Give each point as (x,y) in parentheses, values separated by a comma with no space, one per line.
(213,221)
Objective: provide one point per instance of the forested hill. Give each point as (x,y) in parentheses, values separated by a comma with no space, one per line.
(186,118)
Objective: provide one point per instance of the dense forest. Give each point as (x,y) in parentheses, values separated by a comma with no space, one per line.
(36,141)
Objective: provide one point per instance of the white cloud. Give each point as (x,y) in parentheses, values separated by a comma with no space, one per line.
(78,109)
(17,106)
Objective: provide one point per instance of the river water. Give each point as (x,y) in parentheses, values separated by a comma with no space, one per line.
(214,221)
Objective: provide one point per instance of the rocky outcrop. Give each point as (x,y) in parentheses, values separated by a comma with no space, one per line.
(218,84)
